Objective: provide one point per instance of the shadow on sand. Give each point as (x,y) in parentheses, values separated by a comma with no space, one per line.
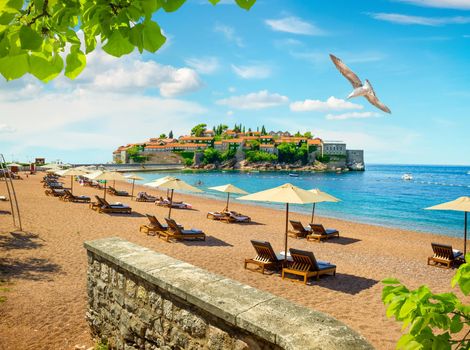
(134,214)
(210,241)
(31,269)
(20,240)
(345,283)
(342,240)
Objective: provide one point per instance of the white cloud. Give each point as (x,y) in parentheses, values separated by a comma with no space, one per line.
(294,25)
(331,104)
(425,21)
(204,65)
(229,113)
(229,34)
(353,115)
(6,129)
(452,4)
(252,72)
(255,100)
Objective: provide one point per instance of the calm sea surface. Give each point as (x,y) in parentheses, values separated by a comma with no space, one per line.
(377,196)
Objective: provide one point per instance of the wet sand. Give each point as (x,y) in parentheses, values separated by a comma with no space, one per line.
(44,267)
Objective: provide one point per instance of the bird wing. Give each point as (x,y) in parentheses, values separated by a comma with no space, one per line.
(346,72)
(372,98)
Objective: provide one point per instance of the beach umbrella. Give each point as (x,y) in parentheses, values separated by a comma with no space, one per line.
(172,183)
(108,176)
(71,172)
(14,164)
(288,194)
(459,204)
(133,177)
(321,197)
(229,188)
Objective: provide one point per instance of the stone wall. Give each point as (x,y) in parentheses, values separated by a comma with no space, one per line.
(140,299)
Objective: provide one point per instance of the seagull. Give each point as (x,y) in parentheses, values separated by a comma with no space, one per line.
(360,89)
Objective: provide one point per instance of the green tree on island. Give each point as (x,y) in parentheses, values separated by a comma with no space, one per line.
(170,135)
(199,130)
(35,33)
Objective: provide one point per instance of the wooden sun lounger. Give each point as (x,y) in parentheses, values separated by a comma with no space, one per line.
(299,231)
(444,255)
(177,232)
(320,233)
(233,216)
(55,192)
(113,191)
(145,197)
(217,215)
(176,205)
(105,207)
(304,264)
(70,197)
(265,258)
(153,227)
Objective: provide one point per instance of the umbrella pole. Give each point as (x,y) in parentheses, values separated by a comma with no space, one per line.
(465,237)
(114,183)
(228,198)
(71,184)
(133,183)
(313,213)
(104,189)
(287,228)
(171,204)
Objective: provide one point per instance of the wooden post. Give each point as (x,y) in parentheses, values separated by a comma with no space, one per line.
(228,198)
(171,204)
(313,213)
(287,229)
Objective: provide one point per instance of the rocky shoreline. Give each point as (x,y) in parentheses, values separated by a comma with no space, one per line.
(245,165)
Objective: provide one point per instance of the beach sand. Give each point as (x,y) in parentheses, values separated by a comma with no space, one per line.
(45,265)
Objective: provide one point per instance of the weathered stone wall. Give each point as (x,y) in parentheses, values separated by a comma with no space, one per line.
(140,299)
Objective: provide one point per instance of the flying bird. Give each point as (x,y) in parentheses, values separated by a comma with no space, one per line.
(360,89)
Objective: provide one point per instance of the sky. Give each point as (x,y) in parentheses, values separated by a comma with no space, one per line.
(267,66)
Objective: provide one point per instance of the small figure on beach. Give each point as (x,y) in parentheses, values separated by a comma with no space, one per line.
(360,89)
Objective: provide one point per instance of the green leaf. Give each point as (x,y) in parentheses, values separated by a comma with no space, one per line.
(30,39)
(7,16)
(152,36)
(76,62)
(136,37)
(14,67)
(149,7)
(456,324)
(172,5)
(408,306)
(390,281)
(245,4)
(408,342)
(214,2)
(117,45)
(45,68)
(15,4)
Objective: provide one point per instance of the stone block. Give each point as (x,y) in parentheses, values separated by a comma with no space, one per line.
(130,288)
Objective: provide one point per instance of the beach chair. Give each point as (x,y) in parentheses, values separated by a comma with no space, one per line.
(235,217)
(105,207)
(3,198)
(444,255)
(265,258)
(320,233)
(305,265)
(177,232)
(145,197)
(114,192)
(154,226)
(176,205)
(55,192)
(217,215)
(299,230)
(70,197)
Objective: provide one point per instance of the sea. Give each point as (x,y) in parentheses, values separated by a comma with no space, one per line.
(376,196)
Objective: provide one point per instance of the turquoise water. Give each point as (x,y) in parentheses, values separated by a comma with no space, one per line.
(377,196)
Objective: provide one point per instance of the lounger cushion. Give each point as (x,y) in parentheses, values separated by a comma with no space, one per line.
(323,266)
(457,253)
(330,231)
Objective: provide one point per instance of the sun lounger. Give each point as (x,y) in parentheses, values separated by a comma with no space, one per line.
(3,198)
(70,197)
(114,192)
(320,233)
(265,258)
(176,205)
(233,216)
(443,255)
(177,232)
(304,264)
(105,207)
(55,192)
(299,231)
(145,197)
(217,215)
(154,226)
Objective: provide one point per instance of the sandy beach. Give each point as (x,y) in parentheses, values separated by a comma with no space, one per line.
(44,267)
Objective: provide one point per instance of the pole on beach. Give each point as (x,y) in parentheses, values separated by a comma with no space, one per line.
(171,204)
(313,213)
(465,237)
(71,184)
(132,193)
(228,198)
(287,229)
(104,189)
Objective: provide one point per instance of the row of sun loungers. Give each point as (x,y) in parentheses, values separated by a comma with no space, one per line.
(313,232)
(171,231)
(102,206)
(228,216)
(300,262)
(113,191)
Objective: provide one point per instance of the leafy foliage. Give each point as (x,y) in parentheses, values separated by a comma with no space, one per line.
(36,35)
(323,159)
(432,320)
(211,156)
(199,130)
(188,157)
(260,156)
(291,153)
(134,154)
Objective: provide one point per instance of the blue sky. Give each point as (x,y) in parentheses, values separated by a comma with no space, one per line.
(268,66)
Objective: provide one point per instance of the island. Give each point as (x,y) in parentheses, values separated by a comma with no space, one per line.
(240,148)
